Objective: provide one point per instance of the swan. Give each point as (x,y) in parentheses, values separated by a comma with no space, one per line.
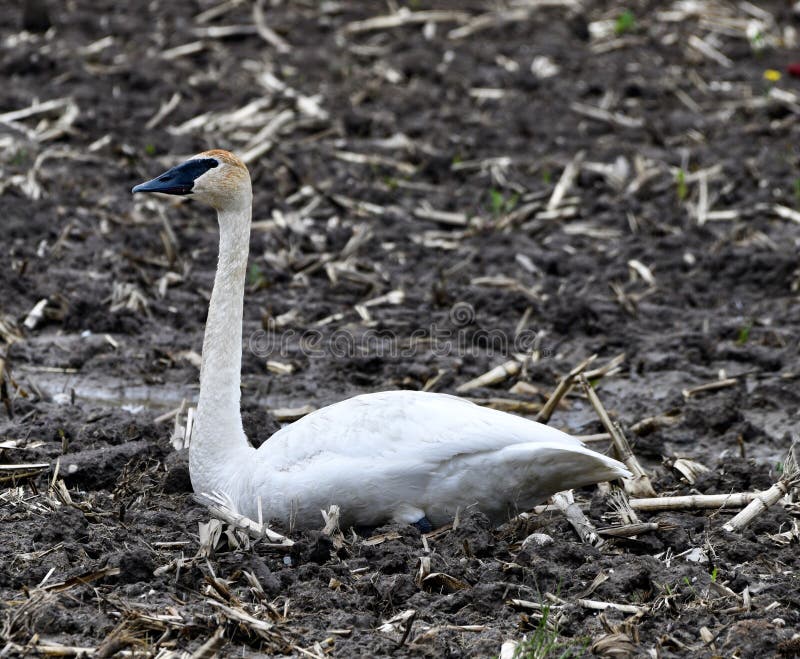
(401,456)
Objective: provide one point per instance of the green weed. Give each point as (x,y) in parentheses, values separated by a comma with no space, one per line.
(681,187)
(19,157)
(544,642)
(744,333)
(625,22)
(255,276)
(501,205)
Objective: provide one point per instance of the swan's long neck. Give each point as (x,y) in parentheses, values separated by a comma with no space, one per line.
(219,448)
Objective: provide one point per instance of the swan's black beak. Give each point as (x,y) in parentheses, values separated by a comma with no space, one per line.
(180,179)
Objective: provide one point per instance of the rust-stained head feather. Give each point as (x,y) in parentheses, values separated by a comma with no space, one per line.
(224,186)
(223,156)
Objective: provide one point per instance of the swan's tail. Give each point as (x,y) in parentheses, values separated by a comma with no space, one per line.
(517,477)
(573,466)
(539,469)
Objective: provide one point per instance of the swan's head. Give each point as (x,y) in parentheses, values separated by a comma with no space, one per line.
(215,177)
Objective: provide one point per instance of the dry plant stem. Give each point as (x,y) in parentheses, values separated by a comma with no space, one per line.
(242,617)
(608,368)
(168,416)
(35,315)
(57,650)
(693,502)
(17,472)
(561,390)
(164,111)
(508,404)
(640,484)
(36,108)
(565,182)
(709,386)
(565,502)
(629,530)
(443,217)
(405,18)
(786,213)
(593,439)
(217,11)
(764,500)
(495,375)
(620,503)
(687,502)
(599,114)
(706,49)
(267,33)
(211,646)
(288,414)
(218,509)
(594,605)
(499,17)
(79,580)
(377,161)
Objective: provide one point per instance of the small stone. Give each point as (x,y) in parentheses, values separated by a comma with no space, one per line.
(537,540)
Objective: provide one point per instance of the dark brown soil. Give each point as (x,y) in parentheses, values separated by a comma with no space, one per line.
(83,387)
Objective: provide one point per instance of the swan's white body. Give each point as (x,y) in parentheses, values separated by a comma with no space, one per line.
(395,455)
(405,455)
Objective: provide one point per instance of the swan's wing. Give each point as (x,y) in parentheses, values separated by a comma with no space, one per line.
(402,425)
(401,455)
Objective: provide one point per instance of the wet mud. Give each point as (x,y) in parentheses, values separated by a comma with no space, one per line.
(676,243)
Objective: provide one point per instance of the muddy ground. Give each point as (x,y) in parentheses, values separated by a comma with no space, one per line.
(676,243)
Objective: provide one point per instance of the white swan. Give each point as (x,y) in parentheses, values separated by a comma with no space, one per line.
(403,456)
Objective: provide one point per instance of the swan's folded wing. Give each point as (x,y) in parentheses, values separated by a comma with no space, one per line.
(395,455)
(401,426)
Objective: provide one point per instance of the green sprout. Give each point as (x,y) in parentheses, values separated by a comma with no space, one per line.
(757,41)
(20,156)
(498,201)
(499,204)
(744,333)
(544,642)
(625,23)
(255,276)
(150,149)
(680,182)
(714,575)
